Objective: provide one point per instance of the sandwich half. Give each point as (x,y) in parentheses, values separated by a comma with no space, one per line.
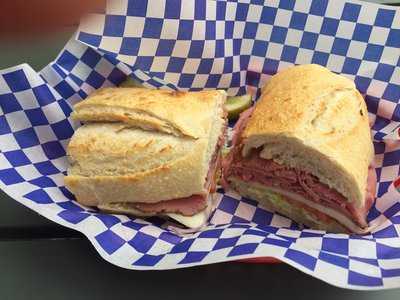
(148,152)
(305,151)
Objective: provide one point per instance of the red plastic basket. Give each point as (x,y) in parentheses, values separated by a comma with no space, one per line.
(260,260)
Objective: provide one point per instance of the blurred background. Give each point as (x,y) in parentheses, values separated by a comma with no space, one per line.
(34,31)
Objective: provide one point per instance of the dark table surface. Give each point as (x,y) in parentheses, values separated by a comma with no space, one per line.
(42,260)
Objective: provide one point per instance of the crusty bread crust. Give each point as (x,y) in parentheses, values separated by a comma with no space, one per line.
(114,162)
(312,119)
(179,113)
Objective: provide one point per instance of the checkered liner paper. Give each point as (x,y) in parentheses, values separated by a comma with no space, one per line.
(233,45)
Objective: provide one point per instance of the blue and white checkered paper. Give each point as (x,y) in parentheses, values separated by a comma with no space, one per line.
(235,45)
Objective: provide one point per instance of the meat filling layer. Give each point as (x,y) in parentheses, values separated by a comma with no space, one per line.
(253,168)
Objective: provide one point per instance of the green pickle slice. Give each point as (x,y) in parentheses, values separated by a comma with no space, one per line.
(130,82)
(236,104)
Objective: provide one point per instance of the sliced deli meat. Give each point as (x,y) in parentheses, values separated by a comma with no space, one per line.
(188,206)
(270,173)
(305,150)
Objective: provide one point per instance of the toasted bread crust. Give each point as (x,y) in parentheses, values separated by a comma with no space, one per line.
(312,119)
(179,113)
(115,160)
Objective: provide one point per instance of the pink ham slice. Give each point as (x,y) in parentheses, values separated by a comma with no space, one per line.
(270,173)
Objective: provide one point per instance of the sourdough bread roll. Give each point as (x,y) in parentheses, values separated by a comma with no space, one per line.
(144,146)
(311,119)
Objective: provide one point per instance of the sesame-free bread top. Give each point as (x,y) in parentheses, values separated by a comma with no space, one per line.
(314,120)
(117,159)
(179,113)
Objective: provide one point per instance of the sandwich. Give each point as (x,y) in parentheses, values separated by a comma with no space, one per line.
(148,152)
(305,151)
